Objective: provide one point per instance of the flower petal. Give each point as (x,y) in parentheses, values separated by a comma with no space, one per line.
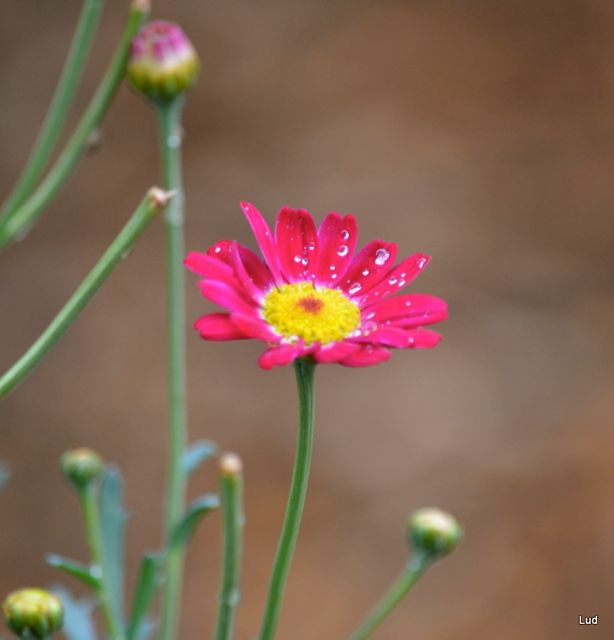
(337,236)
(243,277)
(256,269)
(367,356)
(264,238)
(401,338)
(397,278)
(280,356)
(226,296)
(297,244)
(254,327)
(410,310)
(209,267)
(335,351)
(217,326)
(368,267)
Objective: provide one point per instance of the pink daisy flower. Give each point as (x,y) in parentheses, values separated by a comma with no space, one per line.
(313,295)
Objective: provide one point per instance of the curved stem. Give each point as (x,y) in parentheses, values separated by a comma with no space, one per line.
(23,218)
(416,567)
(89,503)
(170,137)
(58,109)
(123,243)
(231,484)
(305,369)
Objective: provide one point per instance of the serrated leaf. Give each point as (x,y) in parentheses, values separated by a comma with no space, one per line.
(196,454)
(75,569)
(78,616)
(194,514)
(113,520)
(147,582)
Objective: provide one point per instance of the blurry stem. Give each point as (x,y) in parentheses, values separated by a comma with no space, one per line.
(58,109)
(91,514)
(170,139)
(232,507)
(414,569)
(118,249)
(304,368)
(21,220)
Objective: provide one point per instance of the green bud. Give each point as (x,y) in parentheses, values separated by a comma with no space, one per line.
(434,532)
(81,466)
(33,613)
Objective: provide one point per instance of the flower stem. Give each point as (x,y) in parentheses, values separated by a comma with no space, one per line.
(231,486)
(305,368)
(58,109)
(89,503)
(415,568)
(24,217)
(170,137)
(119,248)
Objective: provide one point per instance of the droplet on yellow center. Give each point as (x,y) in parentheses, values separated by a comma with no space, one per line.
(314,314)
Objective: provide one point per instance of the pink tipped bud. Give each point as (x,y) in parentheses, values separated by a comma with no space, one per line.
(163,63)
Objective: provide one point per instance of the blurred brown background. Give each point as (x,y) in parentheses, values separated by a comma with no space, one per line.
(481,132)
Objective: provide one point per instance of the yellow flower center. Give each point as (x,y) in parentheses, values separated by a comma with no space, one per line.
(314,314)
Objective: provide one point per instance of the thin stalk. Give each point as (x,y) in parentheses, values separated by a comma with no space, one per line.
(120,247)
(59,107)
(170,139)
(24,217)
(231,486)
(415,568)
(304,369)
(91,514)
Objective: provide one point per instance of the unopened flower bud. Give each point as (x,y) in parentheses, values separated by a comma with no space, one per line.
(230,465)
(434,532)
(33,613)
(163,63)
(81,466)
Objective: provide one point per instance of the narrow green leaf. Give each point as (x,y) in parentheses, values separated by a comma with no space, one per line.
(113,520)
(197,453)
(78,616)
(146,585)
(194,514)
(75,569)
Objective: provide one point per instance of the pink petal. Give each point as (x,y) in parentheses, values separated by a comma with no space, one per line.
(204,265)
(264,238)
(280,356)
(404,273)
(401,338)
(217,326)
(226,296)
(334,352)
(337,236)
(413,309)
(367,356)
(297,244)
(368,267)
(254,327)
(254,292)
(257,270)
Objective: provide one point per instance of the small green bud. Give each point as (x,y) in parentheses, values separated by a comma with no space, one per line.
(33,613)
(434,532)
(163,63)
(81,466)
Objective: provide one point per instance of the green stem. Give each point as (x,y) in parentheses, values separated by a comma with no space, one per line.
(416,567)
(170,138)
(59,107)
(91,513)
(123,243)
(23,218)
(305,369)
(231,485)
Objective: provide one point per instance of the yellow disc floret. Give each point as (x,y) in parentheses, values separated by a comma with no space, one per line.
(314,314)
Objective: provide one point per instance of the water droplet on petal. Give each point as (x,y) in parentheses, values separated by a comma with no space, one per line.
(334,276)
(217,249)
(305,261)
(311,246)
(365,272)
(355,288)
(332,267)
(370,315)
(297,259)
(402,283)
(345,234)
(408,303)
(381,256)
(343,250)
(392,281)
(421,263)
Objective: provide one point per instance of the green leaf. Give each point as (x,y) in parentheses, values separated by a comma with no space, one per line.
(196,454)
(78,616)
(75,569)
(113,520)
(194,514)
(147,582)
